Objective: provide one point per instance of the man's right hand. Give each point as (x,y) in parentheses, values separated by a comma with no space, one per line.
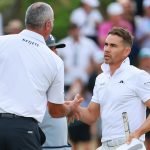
(74,108)
(134,135)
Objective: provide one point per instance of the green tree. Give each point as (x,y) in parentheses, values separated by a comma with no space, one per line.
(12,9)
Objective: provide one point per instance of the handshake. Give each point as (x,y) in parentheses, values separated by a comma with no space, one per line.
(73,108)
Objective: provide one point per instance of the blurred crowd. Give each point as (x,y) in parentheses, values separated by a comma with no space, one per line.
(83,53)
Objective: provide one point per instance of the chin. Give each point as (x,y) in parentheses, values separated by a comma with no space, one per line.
(106,62)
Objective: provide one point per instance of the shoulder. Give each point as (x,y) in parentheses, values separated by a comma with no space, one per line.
(89,44)
(65,40)
(88,41)
(135,71)
(137,74)
(68,42)
(101,77)
(95,12)
(58,61)
(50,58)
(77,11)
(4,38)
(106,24)
(7,41)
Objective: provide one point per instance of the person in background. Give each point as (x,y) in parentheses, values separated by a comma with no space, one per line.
(144,59)
(55,129)
(50,42)
(32,79)
(87,17)
(80,134)
(77,48)
(14,26)
(143,26)
(129,7)
(144,63)
(115,19)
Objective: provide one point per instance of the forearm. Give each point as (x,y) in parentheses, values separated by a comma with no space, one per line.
(145,127)
(59,110)
(66,109)
(88,116)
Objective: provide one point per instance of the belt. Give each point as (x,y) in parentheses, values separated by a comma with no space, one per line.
(114,142)
(9,115)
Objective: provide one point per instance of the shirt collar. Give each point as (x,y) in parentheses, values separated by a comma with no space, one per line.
(106,69)
(33,35)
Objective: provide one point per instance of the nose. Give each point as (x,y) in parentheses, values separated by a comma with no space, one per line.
(106,49)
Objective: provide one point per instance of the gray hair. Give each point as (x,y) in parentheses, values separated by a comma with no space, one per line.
(37,14)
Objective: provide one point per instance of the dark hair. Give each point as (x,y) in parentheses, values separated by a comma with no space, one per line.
(73,26)
(123,33)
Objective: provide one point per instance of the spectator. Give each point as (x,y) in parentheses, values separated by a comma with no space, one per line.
(144,59)
(114,11)
(87,17)
(129,7)
(142,26)
(14,26)
(78,47)
(80,133)
(55,128)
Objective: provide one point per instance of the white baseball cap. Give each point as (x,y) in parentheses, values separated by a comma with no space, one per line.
(92,3)
(115,8)
(146,3)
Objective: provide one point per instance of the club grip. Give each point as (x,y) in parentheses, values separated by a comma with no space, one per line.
(126,124)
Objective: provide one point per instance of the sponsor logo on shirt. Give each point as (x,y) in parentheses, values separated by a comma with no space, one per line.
(121,81)
(147,83)
(30,42)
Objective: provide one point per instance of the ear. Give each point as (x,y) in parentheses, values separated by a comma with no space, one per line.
(48,25)
(127,51)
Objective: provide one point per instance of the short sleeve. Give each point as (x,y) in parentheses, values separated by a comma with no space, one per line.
(55,92)
(143,86)
(95,92)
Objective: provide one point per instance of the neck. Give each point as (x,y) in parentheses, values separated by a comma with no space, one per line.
(114,67)
(39,31)
(76,38)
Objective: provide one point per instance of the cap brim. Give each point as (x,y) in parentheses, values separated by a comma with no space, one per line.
(58,45)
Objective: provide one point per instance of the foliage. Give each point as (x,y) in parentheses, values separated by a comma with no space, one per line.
(62,8)
(5,4)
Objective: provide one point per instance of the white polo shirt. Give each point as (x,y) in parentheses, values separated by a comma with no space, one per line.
(125,91)
(30,74)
